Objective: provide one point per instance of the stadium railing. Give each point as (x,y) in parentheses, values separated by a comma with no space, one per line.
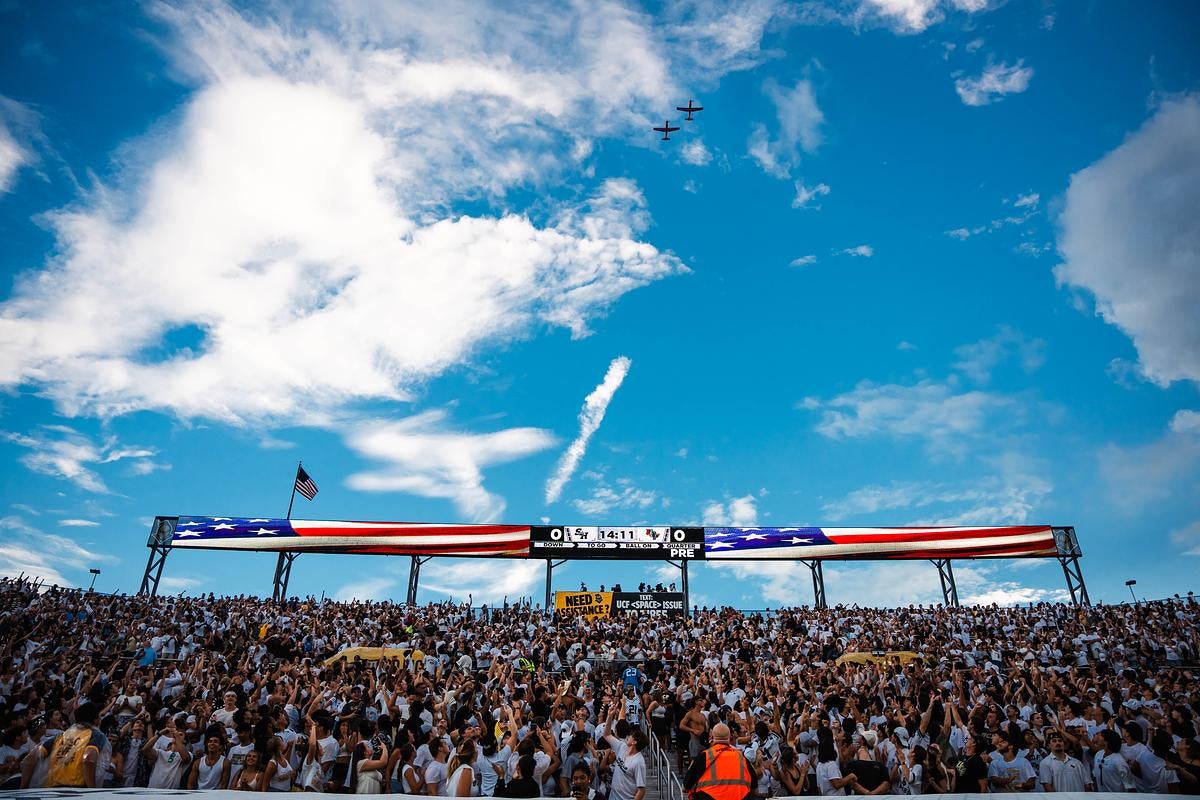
(669,785)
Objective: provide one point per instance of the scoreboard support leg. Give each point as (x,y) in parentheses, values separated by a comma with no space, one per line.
(162,533)
(949,587)
(414,578)
(1075,584)
(550,565)
(154,569)
(818,580)
(283,575)
(682,566)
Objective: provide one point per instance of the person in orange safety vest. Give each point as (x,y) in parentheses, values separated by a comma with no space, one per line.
(721,772)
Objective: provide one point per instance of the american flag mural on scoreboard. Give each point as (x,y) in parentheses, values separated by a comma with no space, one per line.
(1014,541)
(334,536)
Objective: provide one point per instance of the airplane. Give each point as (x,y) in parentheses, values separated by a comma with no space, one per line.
(690,109)
(666,130)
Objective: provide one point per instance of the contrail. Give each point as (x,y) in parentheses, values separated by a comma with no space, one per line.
(590,417)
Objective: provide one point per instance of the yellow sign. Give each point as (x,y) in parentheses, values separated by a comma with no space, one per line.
(369,654)
(588,605)
(903,656)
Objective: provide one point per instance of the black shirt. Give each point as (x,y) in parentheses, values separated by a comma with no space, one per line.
(870,774)
(970,771)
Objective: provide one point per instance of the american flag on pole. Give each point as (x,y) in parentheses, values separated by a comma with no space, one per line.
(335,536)
(1012,541)
(304,484)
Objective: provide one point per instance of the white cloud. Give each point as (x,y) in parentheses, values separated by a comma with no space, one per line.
(737,511)
(1129,235)
(1006,499)
(1188,538)
(175,584)
(903,345)
(487,580)
(78,523)
(803,261)
(883,584)
(861,251)
(624,496)
(423,457)
(799,128)
(62,452)
(913,16)
(993,83)
(719,36)
(1030,200)
(306,191)
(910,16)
(147,467)
(590,416)
(694,152)
(1139,475)
(939,413)
(12,157)
(1186,421)
(375,588)
(24,549)
(1028,209)
(17,125)
(978,359)
(805,195)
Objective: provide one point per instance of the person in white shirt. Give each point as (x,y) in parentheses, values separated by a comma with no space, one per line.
(170,761)
(322,753)
(210,771)
(1010,772)
(1060,771)
(1111,771)
(437,773)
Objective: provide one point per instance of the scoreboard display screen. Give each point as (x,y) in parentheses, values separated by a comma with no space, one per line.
(628,542)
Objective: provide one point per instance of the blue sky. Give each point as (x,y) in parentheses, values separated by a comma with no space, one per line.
(917,262)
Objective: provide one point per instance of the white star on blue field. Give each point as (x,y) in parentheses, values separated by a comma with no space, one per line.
(916,262)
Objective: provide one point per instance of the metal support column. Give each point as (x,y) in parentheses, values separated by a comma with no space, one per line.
(161,532)
(818,580)
(682,566)
(414,577)
(550,565)
(1068,556)
(949,587)
(283,575)
(1075,584)
(683,584)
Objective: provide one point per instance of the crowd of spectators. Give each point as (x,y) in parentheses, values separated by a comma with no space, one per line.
(244,693)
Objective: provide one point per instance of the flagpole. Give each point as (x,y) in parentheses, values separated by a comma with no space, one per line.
(293,500)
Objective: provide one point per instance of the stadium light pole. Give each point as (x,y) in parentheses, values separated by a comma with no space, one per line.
(1131,584)
(94,572)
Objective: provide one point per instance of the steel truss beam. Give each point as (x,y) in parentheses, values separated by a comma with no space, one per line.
(550,565)
(949,587)
(159,543)
(414,577)
(1068,556)
(682,566)
(283,574)
(818,581)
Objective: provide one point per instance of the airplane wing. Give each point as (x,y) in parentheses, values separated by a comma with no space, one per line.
(669,129)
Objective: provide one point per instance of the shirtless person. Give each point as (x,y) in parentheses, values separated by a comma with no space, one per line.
(695,724)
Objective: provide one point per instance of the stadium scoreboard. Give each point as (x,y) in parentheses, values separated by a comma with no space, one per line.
(627,542)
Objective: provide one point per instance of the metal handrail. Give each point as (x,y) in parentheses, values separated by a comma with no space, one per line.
(669,785)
